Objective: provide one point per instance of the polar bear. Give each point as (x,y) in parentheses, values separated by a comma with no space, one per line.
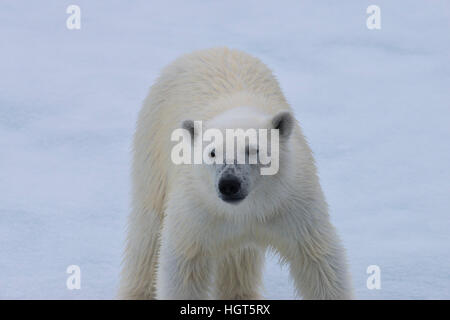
(200,231)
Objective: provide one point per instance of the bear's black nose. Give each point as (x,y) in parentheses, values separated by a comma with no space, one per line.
(229,186)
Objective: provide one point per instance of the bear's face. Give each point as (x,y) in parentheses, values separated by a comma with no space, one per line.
(240,150)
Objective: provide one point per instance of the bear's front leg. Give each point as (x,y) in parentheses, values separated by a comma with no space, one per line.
(316,258)
(184,268)
(181,277)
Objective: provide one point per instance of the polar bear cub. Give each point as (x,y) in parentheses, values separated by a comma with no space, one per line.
(201,230)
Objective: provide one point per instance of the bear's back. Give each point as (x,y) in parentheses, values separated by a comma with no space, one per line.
(193,82)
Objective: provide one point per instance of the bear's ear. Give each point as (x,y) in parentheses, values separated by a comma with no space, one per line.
(283,121)
(189,126)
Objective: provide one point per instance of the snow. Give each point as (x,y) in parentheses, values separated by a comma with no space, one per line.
(374,105)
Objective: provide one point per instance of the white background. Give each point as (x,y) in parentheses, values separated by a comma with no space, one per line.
(374,105)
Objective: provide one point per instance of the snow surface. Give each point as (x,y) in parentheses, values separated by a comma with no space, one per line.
(374,105)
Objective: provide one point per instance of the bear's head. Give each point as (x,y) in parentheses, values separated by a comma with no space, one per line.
(238,154)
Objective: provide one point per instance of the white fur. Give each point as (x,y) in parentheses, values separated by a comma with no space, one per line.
(208,248)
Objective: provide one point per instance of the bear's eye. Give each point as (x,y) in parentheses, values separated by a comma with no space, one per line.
(212,154)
